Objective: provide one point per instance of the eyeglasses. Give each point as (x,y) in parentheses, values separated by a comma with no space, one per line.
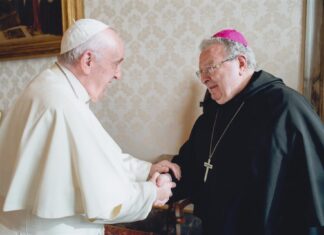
(211,69)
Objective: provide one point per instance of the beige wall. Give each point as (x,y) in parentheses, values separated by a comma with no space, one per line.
(152,109)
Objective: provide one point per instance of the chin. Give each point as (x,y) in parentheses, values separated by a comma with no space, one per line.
(220,101)
(217,100)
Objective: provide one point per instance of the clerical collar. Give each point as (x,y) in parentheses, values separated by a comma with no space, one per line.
(78,89)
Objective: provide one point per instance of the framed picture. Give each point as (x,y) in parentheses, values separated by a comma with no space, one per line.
(34,28)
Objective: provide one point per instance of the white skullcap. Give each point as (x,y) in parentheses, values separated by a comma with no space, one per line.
(80,32)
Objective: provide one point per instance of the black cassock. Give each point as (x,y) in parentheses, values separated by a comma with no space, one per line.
(268,169)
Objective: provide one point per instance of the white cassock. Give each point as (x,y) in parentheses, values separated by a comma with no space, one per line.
(60,171)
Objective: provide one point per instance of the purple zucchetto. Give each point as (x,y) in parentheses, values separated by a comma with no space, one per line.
(231,34)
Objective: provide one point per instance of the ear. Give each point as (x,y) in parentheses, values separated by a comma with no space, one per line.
(86,62)
(242,63)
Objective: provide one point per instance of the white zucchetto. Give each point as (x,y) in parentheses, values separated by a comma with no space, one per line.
(80,32)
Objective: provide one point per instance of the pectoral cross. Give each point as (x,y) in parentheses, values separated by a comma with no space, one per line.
(208,167)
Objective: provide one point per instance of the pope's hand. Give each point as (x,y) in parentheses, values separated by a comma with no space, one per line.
(162,179)
(164,166)
(164,186)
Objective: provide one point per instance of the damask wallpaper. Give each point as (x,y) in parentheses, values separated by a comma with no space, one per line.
(152,109)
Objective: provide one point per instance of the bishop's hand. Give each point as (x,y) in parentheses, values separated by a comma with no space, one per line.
(165,166)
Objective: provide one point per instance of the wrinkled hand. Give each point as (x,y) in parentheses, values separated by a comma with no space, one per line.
(164,186)
(162,179)
(164,166)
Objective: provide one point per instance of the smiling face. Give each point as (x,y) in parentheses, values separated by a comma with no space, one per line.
(224,82)
(106,67)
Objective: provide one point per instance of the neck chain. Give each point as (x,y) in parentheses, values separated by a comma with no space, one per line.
(212,151)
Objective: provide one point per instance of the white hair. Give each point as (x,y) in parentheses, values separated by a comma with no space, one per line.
(233,49)
(96,44)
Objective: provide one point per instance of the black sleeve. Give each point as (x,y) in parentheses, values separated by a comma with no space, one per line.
(296,164)
(186,160)
(310,130)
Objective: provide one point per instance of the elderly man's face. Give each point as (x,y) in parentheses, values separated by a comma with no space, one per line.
(108,68)
(222,81)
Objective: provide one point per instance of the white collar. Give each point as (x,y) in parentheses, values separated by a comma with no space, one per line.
(78,89)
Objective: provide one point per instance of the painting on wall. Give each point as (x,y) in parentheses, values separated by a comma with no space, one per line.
(34,28)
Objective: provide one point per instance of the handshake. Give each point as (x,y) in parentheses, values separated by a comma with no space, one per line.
(163,180)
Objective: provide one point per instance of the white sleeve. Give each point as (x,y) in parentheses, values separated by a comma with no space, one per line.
(139,169)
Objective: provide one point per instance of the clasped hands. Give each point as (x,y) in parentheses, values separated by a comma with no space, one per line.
(163,181)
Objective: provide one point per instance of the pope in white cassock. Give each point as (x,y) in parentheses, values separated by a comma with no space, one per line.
(60,171)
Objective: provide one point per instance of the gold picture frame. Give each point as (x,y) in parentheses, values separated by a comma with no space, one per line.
(42,45)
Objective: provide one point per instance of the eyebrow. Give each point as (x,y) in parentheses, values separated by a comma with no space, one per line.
(212,62)
(119,61)
(209,64)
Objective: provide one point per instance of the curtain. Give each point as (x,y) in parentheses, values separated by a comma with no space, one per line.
(314,55)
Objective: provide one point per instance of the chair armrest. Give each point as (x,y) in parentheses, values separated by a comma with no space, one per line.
(179,210)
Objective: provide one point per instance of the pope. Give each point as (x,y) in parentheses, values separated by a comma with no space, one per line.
(60,171)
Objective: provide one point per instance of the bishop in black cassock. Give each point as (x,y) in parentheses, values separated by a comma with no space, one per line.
(266,172)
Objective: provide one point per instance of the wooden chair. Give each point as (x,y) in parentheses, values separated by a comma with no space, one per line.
(179,213)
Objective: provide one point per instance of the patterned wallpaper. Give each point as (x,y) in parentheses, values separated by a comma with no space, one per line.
(152,109)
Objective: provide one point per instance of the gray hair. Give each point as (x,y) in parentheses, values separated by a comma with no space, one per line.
(96,44)
(233,49)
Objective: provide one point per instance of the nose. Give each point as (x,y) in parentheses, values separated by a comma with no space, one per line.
(204,78)
(118,73)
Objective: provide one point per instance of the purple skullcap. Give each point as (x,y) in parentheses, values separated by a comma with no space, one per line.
(231,34)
